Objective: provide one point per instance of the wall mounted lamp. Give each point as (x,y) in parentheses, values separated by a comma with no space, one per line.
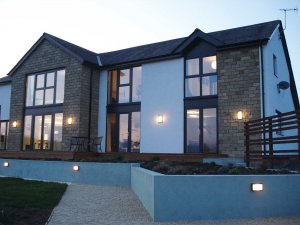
(160,118)
(15,124)
(6,164)
(76,167)
(240,115)
(257,187)
(70,120)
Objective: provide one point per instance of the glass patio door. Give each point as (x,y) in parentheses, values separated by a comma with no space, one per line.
(129,132)
(201,130)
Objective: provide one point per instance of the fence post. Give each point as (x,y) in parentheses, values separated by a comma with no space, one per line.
(270,137)
(247,158)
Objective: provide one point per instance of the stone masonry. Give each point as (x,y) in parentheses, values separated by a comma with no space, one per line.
(238,90)
(47,56)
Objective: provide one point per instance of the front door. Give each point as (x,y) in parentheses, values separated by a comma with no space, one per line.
(201,130)
(123,132)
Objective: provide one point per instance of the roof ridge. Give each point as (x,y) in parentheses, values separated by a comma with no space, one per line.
(252,25)
(142,45)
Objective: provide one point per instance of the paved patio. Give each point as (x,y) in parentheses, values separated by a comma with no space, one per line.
(100,205)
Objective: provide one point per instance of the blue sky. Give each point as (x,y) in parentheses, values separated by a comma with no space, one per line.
(109,25)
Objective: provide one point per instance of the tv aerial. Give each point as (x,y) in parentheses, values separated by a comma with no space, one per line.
(285,11)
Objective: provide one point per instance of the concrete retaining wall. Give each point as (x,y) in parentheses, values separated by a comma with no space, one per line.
(206,197)
(114,174)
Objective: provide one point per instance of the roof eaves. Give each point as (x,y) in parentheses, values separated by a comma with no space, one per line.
(243,44)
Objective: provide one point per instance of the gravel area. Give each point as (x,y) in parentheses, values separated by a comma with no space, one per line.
(100,205)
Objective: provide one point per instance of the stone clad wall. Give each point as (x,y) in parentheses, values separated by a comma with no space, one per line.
(48,57)
(238,90)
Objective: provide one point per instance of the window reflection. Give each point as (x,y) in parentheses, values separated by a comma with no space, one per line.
(37,132)
(112,91)
(209,64)
(27,132)
(58,125)
(210,130)
(124,76)
(30,90)
(136,84)
(4,125)
(49,93)
(39,97)
(192,131)
(40,81)
(47,132)
(135,131)
(123,133)
(209,85)
(192,67)
(60,86)
(50,79)
(192,87)
(124,94)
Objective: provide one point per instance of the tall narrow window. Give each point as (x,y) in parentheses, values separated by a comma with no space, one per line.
(58,125)
(4,125)
(136,84)
(47,132)
(27,133)
(112,87)
(37,142)
(275,65)
(30,90)
(123,133)
(193,130)
(135,131)
(210,130)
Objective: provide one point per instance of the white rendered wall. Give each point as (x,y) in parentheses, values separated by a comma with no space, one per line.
(162,93)
(282,101)
(102,107)
(5,91)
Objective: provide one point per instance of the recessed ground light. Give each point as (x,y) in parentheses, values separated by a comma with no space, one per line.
(257,187)
(6,164)
(76,167)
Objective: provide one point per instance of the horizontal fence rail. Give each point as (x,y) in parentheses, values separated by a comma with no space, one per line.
(268,138)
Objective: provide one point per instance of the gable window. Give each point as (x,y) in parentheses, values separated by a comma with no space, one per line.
(275,65)
(45,88)
(125,85)
(201,77)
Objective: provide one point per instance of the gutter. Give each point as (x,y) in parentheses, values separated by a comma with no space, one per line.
(262,92)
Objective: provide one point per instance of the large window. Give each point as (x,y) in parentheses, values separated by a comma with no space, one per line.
(125,85)
(201,77)
(45,88)
(43,132)
(201,130)
(4,125)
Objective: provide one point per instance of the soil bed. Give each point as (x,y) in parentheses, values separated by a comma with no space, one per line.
(189,168)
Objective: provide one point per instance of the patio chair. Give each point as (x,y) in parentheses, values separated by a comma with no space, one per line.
(78,143)
(95,143)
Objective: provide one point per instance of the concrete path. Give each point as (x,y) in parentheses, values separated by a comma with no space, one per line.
(99,205)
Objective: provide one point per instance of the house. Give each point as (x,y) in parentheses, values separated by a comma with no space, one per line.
(187,95)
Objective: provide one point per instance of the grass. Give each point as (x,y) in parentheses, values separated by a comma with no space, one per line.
(28,202)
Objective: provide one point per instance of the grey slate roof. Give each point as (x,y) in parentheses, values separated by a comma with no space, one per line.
(235,36)
(253,33)
(6,79)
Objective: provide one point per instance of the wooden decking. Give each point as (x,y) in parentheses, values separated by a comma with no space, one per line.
(113,156)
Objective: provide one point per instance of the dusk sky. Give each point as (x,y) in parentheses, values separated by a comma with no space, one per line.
(101,26)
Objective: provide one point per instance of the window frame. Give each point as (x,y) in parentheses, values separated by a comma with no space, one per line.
(6,133)
(35,88)
(32,130)
(200,76)
(119,85)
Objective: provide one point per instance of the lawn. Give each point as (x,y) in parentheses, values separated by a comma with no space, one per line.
(28,202)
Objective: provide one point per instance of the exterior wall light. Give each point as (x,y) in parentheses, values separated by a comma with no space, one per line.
(6,164)
(240,115)
(214,64)
(15,124)
(257,187)
(160,118)
(76,167)
(70,120)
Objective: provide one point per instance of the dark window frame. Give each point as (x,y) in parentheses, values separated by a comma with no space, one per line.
(35,88)
(6,132)
(43,114)
(200,76)
(129,84)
